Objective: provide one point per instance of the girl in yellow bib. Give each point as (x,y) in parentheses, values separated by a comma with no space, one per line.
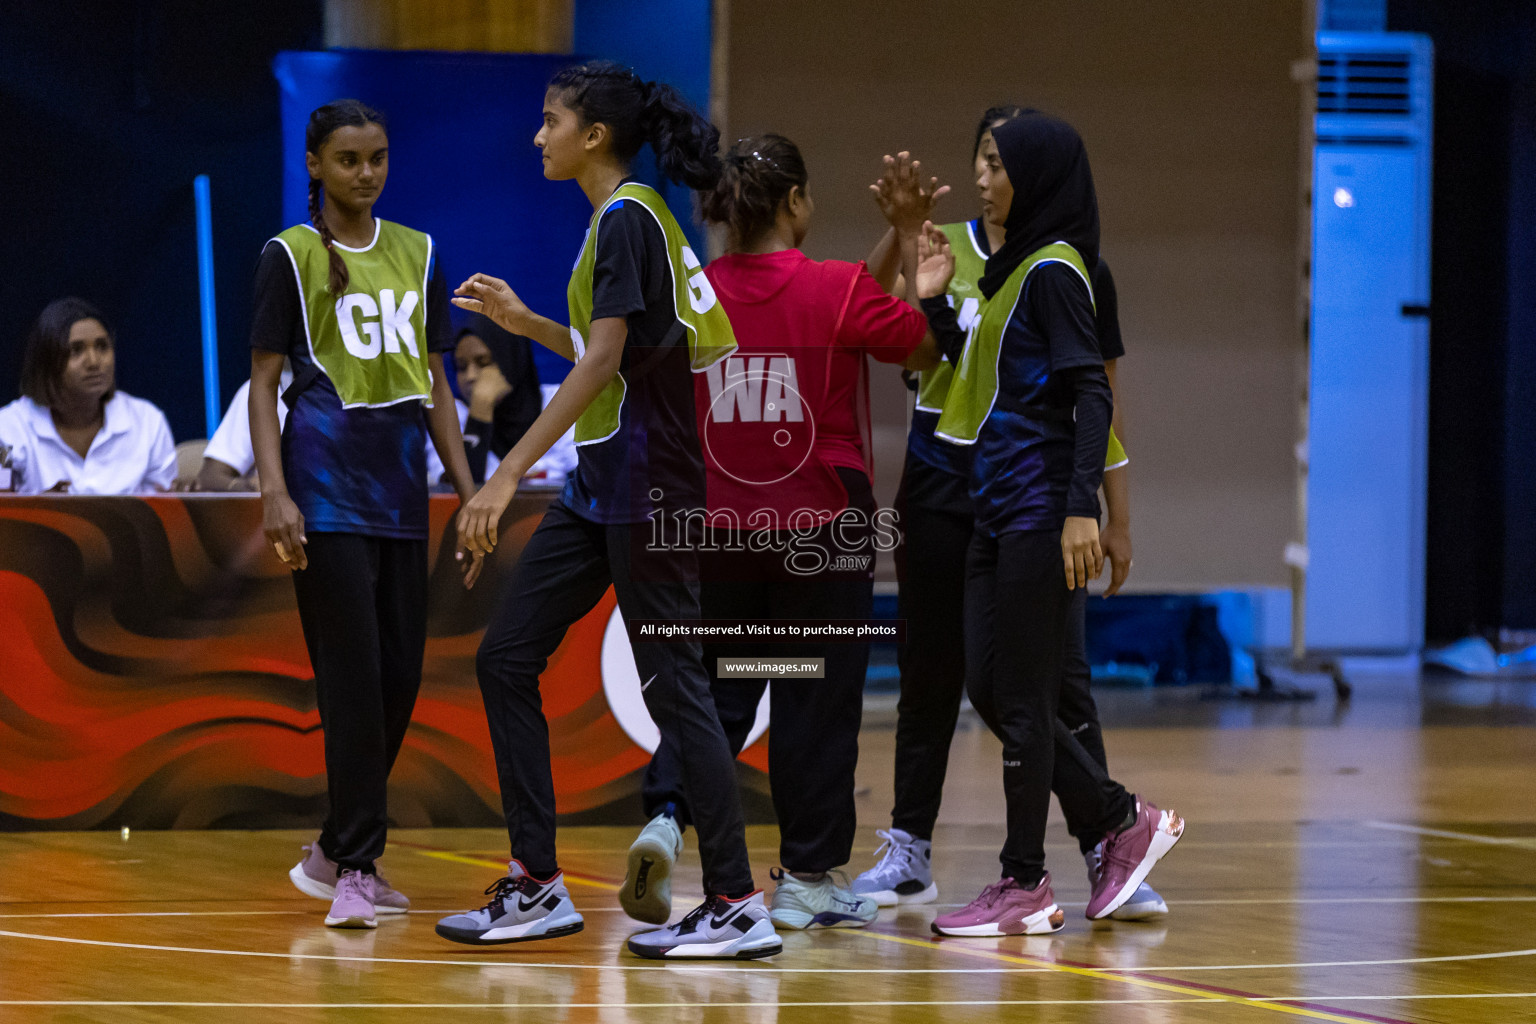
(359,306)
(642,319)
(1031,397)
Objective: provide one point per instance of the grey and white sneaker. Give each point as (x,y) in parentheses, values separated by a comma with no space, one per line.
(904,873)
(1144,904)
(820,904)
(647,892)
(521,909)
(717,929)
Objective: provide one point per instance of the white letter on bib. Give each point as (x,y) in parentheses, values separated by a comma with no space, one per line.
(701,294)
(346,308)
(397,322)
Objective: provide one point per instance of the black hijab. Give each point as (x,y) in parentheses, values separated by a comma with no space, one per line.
(1053,197)
(514,357)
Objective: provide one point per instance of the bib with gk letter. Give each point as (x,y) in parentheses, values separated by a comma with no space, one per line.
(371,341)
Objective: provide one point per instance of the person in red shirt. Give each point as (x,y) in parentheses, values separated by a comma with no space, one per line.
(791,529)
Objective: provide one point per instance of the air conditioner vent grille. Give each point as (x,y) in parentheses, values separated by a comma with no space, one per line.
(1373,84)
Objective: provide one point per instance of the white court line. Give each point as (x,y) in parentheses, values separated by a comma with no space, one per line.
(1440,833)
(1255,1000)
(1279,900)
(674,966)
(596,1006)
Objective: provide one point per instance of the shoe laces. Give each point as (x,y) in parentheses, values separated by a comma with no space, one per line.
(690,921)
(356,883)
(992,893)
(894,854)
(503,888)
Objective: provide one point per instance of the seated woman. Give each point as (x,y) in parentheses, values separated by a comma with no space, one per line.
(229,461)
(72,431)
(499,396)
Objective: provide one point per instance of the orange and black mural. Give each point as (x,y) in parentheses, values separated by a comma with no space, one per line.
(153,674)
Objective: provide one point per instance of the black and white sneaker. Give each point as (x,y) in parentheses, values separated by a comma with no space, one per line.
(718,929)
(521,909)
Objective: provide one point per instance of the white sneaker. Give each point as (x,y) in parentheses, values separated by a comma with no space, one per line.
(822,904)
(904,873)
(520,909)
(1144,904)
(717,929)
(647,892)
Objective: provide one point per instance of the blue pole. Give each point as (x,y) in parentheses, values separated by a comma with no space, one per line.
(205,291)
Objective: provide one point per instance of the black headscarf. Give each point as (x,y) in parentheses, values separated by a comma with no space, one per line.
(514,357)
(1053,197)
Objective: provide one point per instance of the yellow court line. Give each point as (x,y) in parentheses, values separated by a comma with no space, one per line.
(459,858)
(949,946)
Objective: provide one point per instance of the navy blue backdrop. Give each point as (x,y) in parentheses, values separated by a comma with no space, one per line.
(462,165)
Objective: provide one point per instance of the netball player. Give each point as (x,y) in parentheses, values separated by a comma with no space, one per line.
(643,318)
(794,516)
(1030,393)
(936,507)
(359,305)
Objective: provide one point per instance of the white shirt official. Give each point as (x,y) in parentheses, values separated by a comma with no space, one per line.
(231,442)
(133,453)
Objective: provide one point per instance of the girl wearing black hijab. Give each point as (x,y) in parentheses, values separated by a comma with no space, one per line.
(499,394)
(1031,398)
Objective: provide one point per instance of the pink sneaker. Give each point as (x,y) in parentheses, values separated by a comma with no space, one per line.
(1130,855)
(315,876)
(1006,908)
(353,905)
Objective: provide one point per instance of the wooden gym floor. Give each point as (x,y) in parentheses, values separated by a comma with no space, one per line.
(1376,862)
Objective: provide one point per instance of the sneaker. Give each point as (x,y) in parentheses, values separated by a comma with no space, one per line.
(353,905)
(315,876)
(647,892)
(521,909)
(1006,908)
(717,929)
(1144,904)
(1130,854)
(821,904)
(904,873)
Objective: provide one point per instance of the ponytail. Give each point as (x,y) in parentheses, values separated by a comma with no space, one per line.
(759,173)
(637,112)
(323,122)
(686,144)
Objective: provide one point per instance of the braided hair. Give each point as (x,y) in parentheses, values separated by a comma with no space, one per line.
(323,122)
(637,112)
(759,173)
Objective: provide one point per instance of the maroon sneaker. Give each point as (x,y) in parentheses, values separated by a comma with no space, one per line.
(316,876)
(1006,908)
(1129,855)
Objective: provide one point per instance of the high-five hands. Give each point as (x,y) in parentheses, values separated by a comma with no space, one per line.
(935,262)
(903,197)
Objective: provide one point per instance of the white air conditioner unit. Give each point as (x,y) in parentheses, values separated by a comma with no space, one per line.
(1369,383)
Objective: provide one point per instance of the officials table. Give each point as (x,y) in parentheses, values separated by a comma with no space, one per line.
(153,674)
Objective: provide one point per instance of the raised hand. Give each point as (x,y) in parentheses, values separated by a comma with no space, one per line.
(935,262)
(903,197)
(493,297)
